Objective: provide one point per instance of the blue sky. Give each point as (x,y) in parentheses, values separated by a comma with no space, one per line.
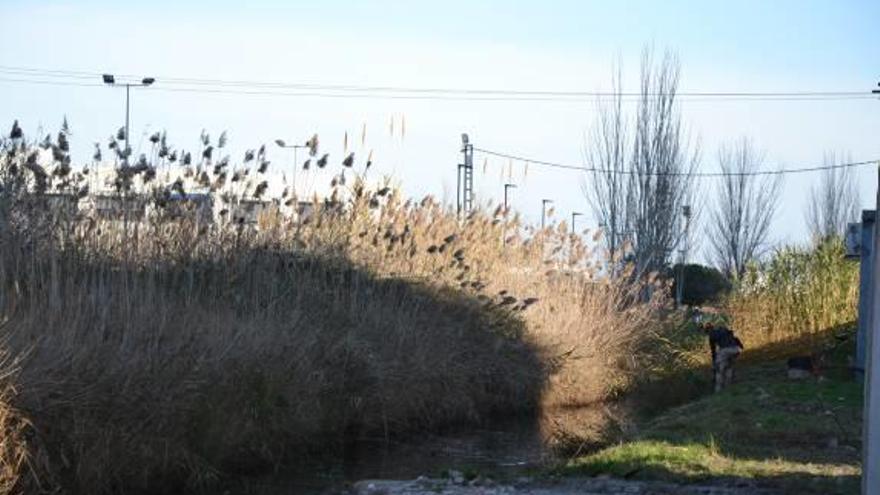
(561,45)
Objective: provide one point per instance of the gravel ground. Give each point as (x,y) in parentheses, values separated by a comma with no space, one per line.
(456,485)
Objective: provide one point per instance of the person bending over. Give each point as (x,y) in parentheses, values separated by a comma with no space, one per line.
(725,348)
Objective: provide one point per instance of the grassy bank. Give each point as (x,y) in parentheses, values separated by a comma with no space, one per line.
(168,353)
(801,300)
(766,430)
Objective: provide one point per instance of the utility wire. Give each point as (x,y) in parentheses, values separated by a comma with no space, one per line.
(579,168)
(393,96)
(49,82)
(262,92)
(260,87)
(57,77)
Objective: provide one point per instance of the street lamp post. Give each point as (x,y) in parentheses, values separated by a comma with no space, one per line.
(679,290)
(506,188)
(574,215)
(282,144)
(544,203)
(110,80)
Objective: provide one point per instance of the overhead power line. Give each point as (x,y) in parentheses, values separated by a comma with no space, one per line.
(581,168)
(303,93)
(396,96)
(256,87)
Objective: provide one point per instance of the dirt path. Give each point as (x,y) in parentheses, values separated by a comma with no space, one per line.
(455,485)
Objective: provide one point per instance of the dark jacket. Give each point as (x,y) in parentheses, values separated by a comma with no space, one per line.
(721,337)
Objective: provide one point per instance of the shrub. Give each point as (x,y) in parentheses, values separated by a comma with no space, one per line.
(702,284)
(789,304)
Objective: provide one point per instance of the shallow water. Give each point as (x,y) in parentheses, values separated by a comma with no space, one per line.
(502,449)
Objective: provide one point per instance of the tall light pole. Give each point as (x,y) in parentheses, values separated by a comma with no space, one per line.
(110,80)
(544,203)
(464,195)
(282,144)
(574,215)
(506,188)
(679,289)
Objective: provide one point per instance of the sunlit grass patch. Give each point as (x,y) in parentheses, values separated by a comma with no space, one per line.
(690,462)
(798,435)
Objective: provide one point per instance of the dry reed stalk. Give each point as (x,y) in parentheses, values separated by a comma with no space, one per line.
(167,350)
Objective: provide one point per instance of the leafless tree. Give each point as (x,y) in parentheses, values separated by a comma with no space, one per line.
(641,184)
(662,166)
(744,208)
(607,152)
(834,201)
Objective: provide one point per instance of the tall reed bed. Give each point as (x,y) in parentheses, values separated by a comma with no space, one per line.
(793,302)
(168,352)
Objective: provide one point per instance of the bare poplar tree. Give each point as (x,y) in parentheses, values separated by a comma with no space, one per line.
(833,202)
(607,151)
(744,208)
(660,182)
(642,168)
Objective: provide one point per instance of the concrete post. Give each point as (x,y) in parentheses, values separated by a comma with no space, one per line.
(871,428)
(866,255)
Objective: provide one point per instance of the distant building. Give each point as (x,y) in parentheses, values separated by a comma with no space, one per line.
(248,211)
(232,203)
(58,203)
(115,207)
(176,206)
(304,210)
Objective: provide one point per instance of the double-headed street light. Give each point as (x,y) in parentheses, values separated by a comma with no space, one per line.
(110,80)
(283,144)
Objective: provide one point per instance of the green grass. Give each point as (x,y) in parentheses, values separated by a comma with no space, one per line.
(797,436)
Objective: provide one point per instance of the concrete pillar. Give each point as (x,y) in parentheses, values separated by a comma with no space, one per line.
(871,428)
(866,255)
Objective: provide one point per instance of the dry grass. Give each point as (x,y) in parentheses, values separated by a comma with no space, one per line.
(14,454)
(160,354)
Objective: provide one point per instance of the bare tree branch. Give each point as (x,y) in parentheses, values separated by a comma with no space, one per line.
(834,201)
(662,166)
(643,168)
(607,151)
(743,210)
